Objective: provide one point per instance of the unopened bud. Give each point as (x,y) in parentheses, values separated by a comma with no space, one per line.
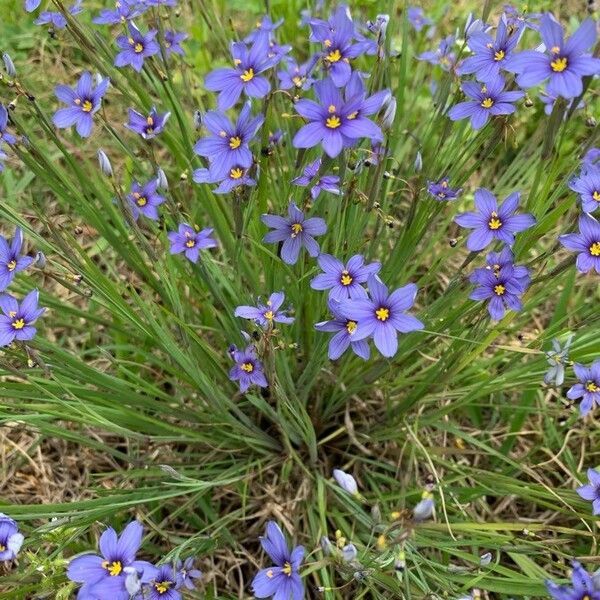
(104,163)
(419,162)
(197,119)
(346,481)
(389,113)
(485,559)
(9,66)
(424,509)
(349,552)
(161,178)
(326,546)
(40,260)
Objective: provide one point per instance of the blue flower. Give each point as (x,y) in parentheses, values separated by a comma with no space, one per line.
(582,589)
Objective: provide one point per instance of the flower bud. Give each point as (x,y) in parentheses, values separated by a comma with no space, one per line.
(197,119)
(40,260)
(485,559)
(424,509)
(389,114)
(418,162)
(161,177)
(132,580)
(326,546)
(349,552)
(346,481)
(104,162)
(9,66)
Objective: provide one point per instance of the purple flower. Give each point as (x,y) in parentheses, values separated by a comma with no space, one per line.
(296,76)
(586,242)
(144,199)
(282,580)
(295,232)
(160,2)
(583,586)
(344,330)
(265,314)
(248,370)
(186,239)
(337,37)
(227,147)
(492,222)
(563,63)
(173,41)
(31,5)
(5,136)
(443,56)
(496,262)
(487,99)
(591,491)
(440,190)
(591,157)
(236,177)
(327,183)
(17,321)
(588,387)
(334,122)
(264,27)
(587,185)
(104,575)
(187,573)
(245,76)
(11,261)
(11,539)
(343,281)
(417,18)
(501,287)
(124,11)
(549,102)
(148,127)
(346,482)
(56,19)
(163,585)
(84,101)
(521,20)
(382,315)
(489,55)
(136,47)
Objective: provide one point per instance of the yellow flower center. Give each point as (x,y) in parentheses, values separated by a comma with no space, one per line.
(247,75)
(351,327)
(114,568)
(236,173)
(287,569)
(334,56)
(269,315)
(595,249)
(333,122)
(296,229)
(138,48)
(382,313)
(346,278)
(87,106)
(559,64)
(499,55)
(18,324)
(2,548)
(248,367)
(596,196)
(352,115)
(141,201)
(487,103)
(235,142)
(12,265)
(591,386)
(162,587)
(499,290)
(190,243)
(297,80)
(494,223)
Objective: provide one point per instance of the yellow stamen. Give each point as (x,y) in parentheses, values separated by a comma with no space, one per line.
(595,249)
(487,103)
(141,201)
(2,548)
(352,115)
(494,223)
(331,109)
(591,386)
(131,41)
(334,56)
(269,315)
(596,196)
(298,81)
(333,122)
(559,65)
(499,289)
(12,265)
(247,75)
(138,48)
(351,327)
(346,278)
(167,44)
(114,568)
(287,569)
(190,243)
(236,173)
(444,184)
(382,313)
(499,55)
(162,586)
(381,542)
(296,229)
(235,142)
(87,106)
(248,367)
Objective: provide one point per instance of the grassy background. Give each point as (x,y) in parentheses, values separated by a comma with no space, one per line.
(129,411)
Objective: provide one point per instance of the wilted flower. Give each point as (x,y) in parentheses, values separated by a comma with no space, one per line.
(382,315)
(327,183)
(343,281)
(133,583)
(17,321)
(11,539)
(549,101)
(346,481)
(173,41)
(104,575)
(557,359)
(492,222)
(295,231)
(586,243)
(190,241)
(266,314)
(145,200)
(591,491)
(124,11)
(104,163)
(187,573)
(587,185)
(487,100)
(441,190)
(136,47)
(245,76)
(417,18)
(248,370)
(443,56)
(583,586)
(423,510)
(563,63)
(57,19)
(281,580)
(349,552)
(3,157)
(11,260)
(588,387)
(84,101)
(485,559)
(150,126)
